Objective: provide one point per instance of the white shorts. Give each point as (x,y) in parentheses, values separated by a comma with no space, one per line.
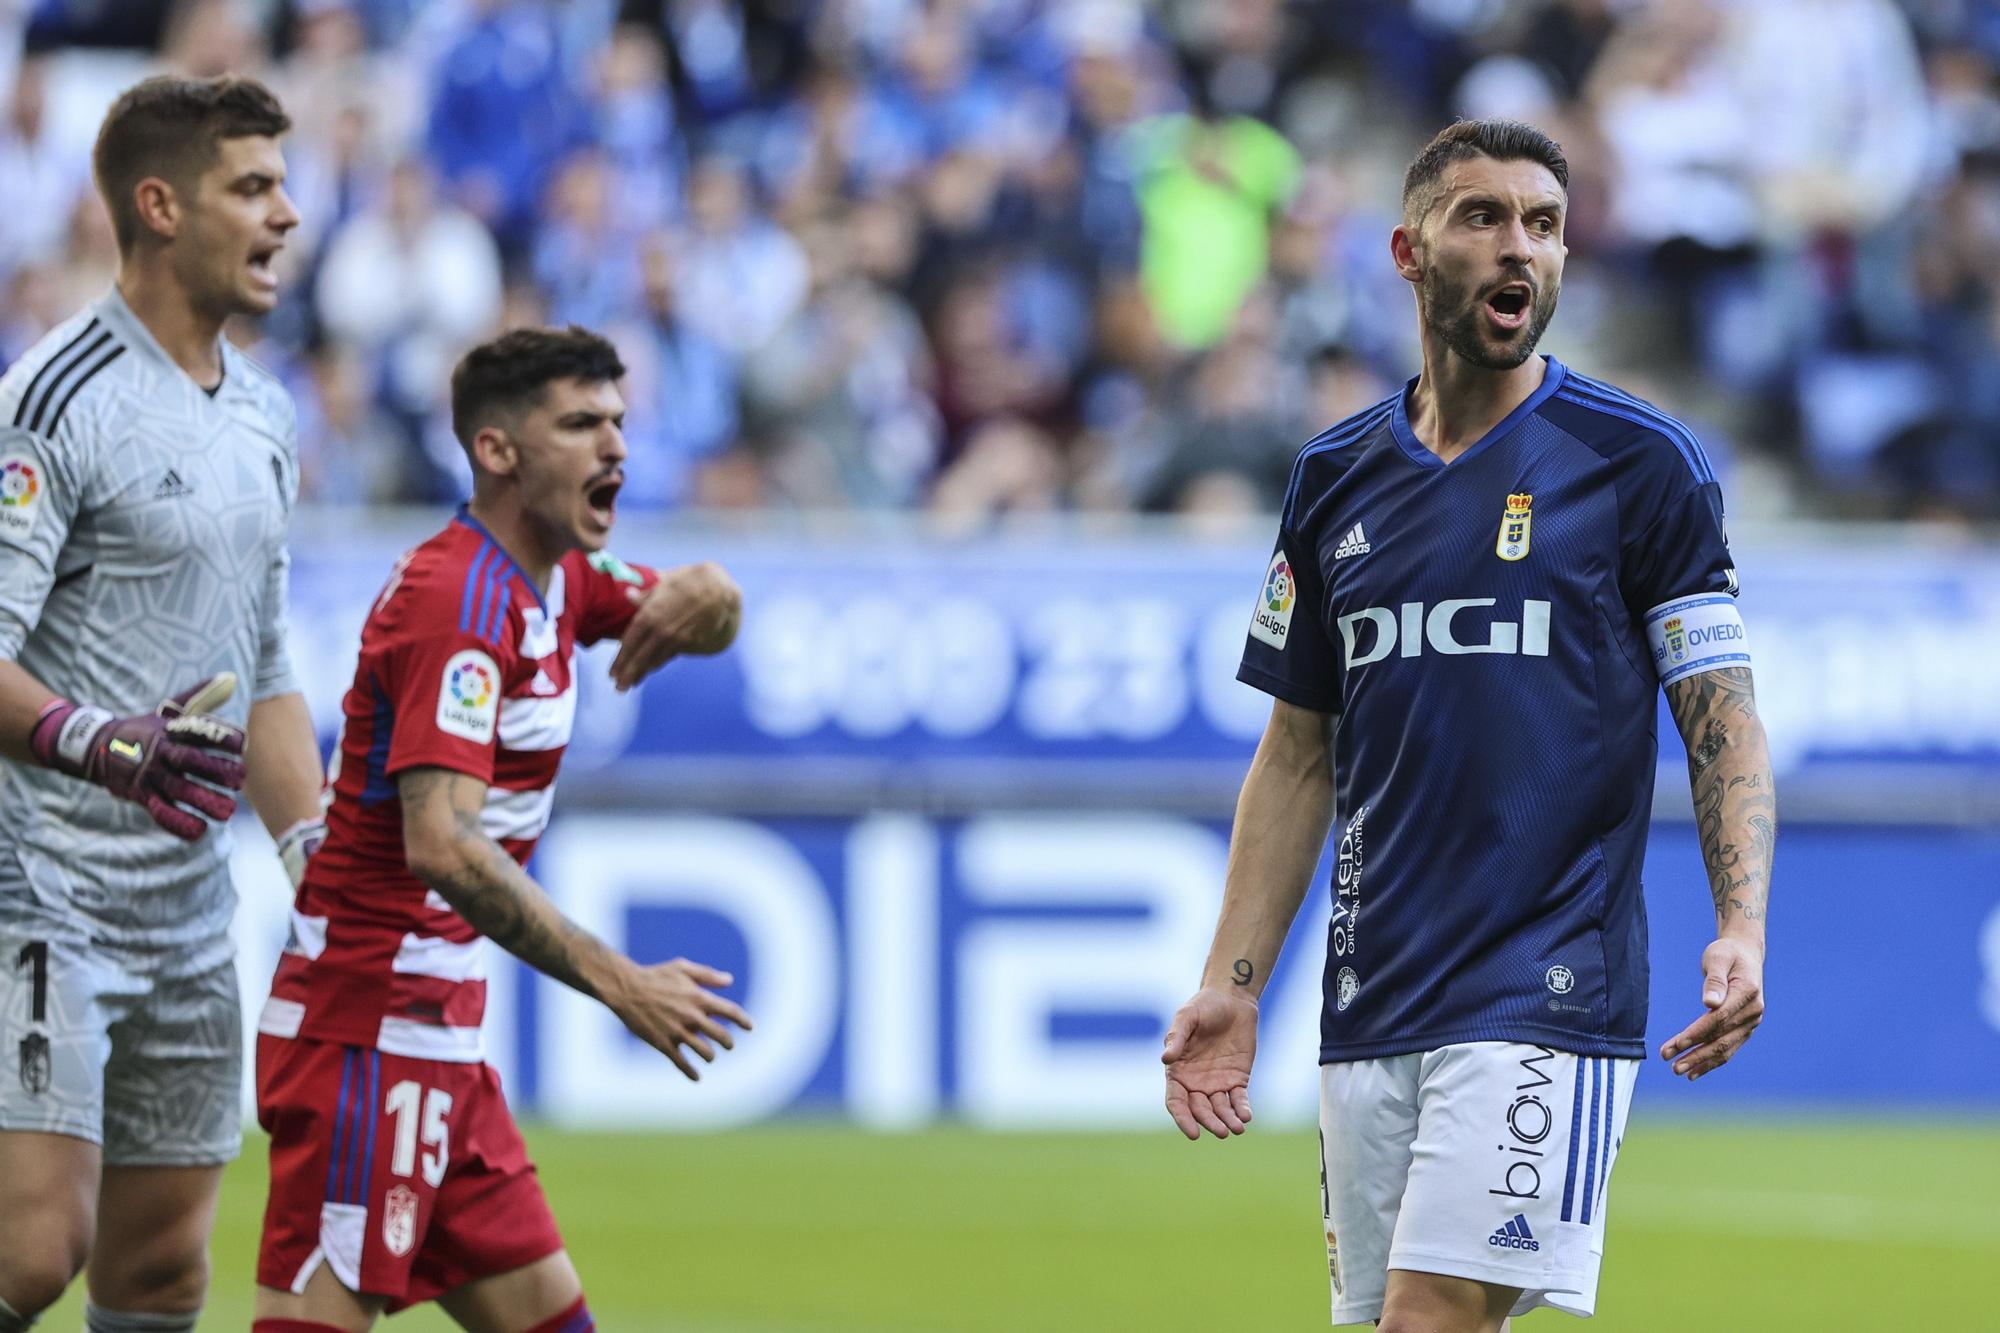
(1488,1161)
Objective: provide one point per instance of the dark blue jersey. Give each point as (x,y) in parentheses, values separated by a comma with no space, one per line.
(1478,627)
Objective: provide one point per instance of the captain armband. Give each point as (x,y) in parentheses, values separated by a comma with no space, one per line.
(1690,635)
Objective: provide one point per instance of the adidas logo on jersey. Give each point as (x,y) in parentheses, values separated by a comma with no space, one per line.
(171,487)
(1514,1235)
(1355,542)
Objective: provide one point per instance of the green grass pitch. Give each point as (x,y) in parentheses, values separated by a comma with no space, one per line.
(1715,1225)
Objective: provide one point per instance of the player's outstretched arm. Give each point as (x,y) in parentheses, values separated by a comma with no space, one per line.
(1736,816)
(693,609)
(1282,817)
(283,778)
(667,1005)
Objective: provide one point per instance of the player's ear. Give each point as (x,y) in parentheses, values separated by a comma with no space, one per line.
(1403,252)
(494,450)
(158,207)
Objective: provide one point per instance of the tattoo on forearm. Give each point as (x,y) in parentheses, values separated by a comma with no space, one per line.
(1735,808)
(1245,971)
(495,895)
(1712,740)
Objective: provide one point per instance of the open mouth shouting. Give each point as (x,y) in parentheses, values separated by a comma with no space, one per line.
(601,496)
(262,274)
(1509,304)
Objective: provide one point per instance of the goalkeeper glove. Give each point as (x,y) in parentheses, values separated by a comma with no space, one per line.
(297,844)
(152,758)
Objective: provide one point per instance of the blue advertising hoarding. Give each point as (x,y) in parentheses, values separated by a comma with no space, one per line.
(956,816)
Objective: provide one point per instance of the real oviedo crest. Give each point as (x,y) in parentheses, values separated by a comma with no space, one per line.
(1514,524)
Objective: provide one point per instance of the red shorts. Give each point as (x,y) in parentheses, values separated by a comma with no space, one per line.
(406,1176)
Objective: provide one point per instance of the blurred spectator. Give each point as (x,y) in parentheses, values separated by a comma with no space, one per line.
(636,130)
(585,260)
(503,115)
(726,55)
(33,167)
(1008,468)
(1683,190)
(681,389)
(1240,421)
(1009,256)
(411,284)
(744,276)
(1209,187)
(840,398)
(350,450)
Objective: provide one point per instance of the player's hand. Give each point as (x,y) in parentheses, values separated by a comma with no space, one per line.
(153,759)
(692,609)
(1210,1046)
(297,844)
(1732,986)
(669,1006)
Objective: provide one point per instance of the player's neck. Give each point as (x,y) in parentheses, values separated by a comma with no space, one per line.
(1457,402)
(193,340)
(507,524)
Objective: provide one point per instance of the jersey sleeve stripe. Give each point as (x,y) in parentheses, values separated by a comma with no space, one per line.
(1638,414)
(496,618)
(377,787)
(77,387)
(55,385)
(1336,437)
(491,583)
(1604,399)
(465,606)
(21,410)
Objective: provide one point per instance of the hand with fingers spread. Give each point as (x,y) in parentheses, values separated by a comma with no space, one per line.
(160,760)
(1210,1046)
(1733,989)
(670,1005)
(693,609)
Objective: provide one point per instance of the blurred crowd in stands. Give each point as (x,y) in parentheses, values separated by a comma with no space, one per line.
(993,256)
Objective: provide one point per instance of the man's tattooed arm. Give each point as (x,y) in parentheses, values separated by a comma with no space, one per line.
(1735,803)
(448,850)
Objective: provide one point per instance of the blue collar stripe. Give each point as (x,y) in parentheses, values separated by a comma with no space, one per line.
(465,516)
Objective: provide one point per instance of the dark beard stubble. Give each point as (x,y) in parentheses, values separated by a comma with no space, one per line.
(1464,331)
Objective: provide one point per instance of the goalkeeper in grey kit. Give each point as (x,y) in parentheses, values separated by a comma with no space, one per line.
(147,473)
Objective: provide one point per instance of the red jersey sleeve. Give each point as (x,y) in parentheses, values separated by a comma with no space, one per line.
(445,688)
(602,586)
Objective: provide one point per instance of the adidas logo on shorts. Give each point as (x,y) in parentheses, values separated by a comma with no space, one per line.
(1515,1235)
(1353,542)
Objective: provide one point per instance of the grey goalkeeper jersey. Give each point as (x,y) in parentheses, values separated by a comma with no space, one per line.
(142,548)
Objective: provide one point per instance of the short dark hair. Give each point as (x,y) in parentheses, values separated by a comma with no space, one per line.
(509,372)
(171,127)
(1501,140)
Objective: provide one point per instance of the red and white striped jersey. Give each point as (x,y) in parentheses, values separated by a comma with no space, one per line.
(466,666)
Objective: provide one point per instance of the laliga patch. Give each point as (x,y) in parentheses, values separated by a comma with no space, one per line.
(1690,635)
(469,696)
(22,489)
(1273,621)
